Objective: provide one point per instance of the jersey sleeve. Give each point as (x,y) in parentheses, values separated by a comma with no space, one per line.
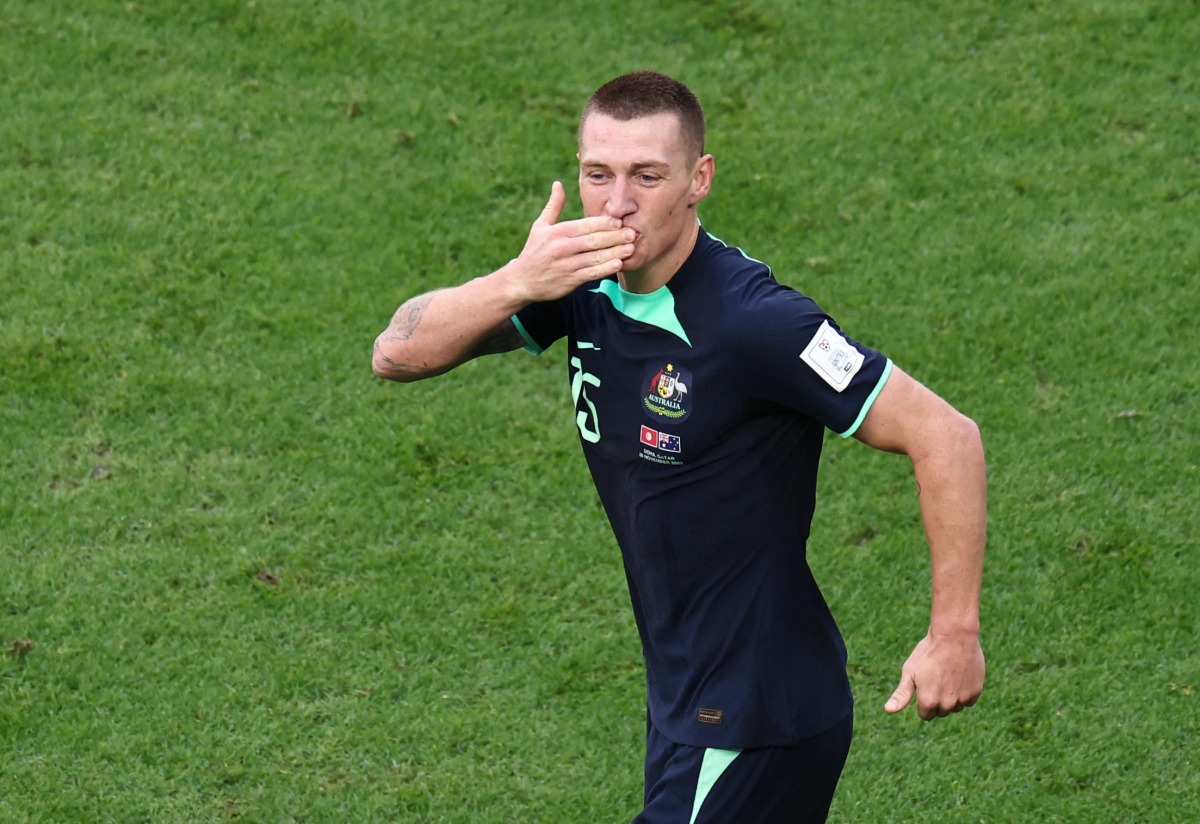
(794,354)
(541,324)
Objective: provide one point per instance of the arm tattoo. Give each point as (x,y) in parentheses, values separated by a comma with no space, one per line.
(394,369)
(504,338)
(408,318)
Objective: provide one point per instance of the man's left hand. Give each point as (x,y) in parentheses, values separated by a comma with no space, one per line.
(945,672)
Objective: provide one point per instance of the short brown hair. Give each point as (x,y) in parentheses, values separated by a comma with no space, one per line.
(646,93)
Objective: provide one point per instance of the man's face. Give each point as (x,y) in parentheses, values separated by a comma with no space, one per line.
(640,172)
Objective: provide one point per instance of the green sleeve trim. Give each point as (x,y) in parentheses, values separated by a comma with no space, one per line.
(531,346)
(711,768)
(866,407)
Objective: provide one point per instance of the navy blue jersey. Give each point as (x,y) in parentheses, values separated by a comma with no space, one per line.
(701,409)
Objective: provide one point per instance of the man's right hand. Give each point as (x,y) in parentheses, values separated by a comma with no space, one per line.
(432,333)
(560,257)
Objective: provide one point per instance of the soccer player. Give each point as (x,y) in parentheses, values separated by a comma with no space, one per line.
(702,390)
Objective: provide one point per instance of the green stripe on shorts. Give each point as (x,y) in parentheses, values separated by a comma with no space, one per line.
(711,768)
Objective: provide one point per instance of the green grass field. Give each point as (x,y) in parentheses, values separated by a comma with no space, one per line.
(245,580)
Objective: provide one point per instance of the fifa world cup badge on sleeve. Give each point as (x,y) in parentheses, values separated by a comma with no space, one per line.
(832,357)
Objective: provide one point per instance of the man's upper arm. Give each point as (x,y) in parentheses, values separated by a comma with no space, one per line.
(393,361)
(504,338)
(909,418)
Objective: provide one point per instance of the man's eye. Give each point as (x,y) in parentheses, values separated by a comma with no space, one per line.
(648,179)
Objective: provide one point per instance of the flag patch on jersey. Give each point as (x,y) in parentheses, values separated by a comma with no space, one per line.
(661,440)
(832,357)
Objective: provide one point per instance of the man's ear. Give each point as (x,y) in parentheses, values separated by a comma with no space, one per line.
(702,179)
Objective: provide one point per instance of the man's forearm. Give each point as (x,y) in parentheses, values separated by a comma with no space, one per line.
(434,332)
(952,483)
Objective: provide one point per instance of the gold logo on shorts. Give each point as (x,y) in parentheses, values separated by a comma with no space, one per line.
(710,716)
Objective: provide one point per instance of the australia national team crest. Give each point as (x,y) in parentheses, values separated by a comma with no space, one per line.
(667,391)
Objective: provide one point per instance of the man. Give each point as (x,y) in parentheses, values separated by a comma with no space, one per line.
(702,389)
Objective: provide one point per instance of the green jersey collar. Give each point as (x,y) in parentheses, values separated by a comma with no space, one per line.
(654,309)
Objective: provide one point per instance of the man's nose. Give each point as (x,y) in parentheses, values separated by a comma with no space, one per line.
(620,199)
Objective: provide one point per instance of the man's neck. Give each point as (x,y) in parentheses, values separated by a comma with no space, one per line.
(644,282)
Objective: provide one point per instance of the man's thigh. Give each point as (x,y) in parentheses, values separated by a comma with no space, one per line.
(772,785)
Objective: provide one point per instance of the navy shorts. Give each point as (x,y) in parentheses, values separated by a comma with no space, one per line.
(772,785)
